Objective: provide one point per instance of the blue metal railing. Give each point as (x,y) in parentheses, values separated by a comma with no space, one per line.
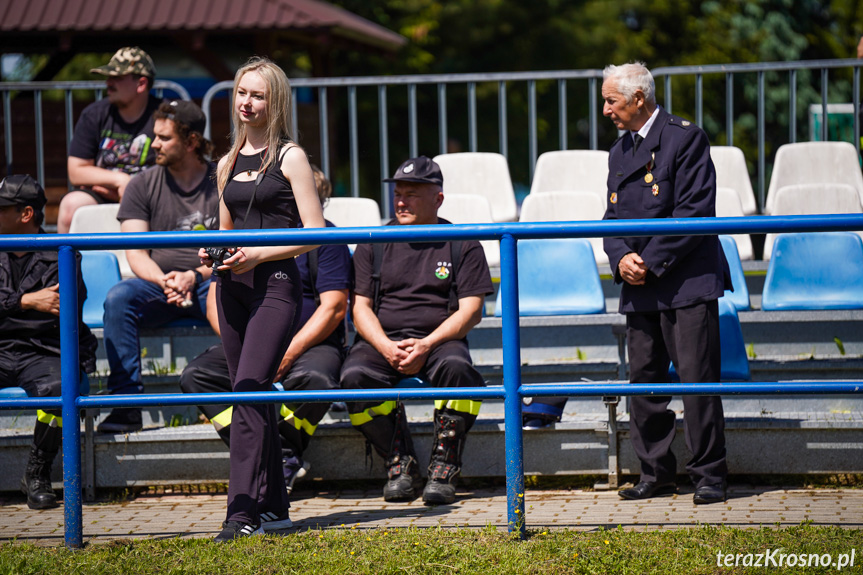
(511,392)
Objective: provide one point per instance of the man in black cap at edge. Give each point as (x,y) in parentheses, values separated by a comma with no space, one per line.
(415,304)
(30,330)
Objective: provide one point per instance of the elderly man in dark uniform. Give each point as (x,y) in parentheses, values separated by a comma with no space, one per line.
(660,167)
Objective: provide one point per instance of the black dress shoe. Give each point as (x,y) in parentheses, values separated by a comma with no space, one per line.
(707,494)
(648,489)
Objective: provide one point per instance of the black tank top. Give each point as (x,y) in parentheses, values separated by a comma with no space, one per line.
(274,205)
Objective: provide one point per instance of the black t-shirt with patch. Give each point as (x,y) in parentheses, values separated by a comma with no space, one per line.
(415,282)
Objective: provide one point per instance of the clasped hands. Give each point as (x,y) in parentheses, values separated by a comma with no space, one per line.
(632,269)
(407,356)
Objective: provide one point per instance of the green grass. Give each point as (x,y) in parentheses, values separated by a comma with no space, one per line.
(442,551)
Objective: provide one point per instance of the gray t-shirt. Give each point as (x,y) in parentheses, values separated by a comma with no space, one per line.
(153,196)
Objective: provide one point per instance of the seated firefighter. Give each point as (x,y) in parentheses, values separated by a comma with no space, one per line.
(311,363)
(415,304)
(30,330)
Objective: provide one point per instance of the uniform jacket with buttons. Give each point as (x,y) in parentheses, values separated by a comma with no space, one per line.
(682,270)
(35,329)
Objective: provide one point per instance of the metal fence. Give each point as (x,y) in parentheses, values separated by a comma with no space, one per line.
(366,110)
(576,90)
(38,89)
(511,392)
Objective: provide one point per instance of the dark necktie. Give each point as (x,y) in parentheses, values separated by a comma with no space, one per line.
(636,141)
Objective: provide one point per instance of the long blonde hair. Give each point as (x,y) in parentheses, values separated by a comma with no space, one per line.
(279,126)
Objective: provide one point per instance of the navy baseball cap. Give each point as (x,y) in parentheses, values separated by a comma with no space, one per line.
(21,190)
(186,113)
(422,170)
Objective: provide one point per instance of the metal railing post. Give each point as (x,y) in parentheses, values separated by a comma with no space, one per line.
(511,383)
(70,373)
(413,136)
(792,106)
(699,100)
(729,108)
(593,113)
(383,128)
(354,141)
(561,106)
(825,128)
(323,116)
(762,162)
(501,120)
(531,126)
(473,140)
(441,118)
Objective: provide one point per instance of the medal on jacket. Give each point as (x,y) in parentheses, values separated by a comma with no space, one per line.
(648,177)
(655,189)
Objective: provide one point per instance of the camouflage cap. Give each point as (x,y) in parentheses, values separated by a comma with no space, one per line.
(128,60)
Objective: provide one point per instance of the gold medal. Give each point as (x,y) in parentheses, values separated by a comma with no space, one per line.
(655,189)
(648,178)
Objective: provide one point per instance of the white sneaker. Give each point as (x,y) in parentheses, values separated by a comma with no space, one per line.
(272,522)
(234,530)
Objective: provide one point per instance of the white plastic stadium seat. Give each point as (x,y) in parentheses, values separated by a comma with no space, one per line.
(805,199)
(483,173)
(101,219)
(471,209)
(572,170)
(814,163)
(352,213)
(567,206)
(728,206)
(731,172)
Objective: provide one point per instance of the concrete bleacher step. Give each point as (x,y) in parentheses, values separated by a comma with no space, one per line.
(758,443)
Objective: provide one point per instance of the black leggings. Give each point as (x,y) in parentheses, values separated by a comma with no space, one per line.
(258,313)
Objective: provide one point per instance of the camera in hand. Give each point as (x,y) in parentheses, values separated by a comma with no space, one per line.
(218,255)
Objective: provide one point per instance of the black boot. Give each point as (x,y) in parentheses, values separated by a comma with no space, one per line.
(391,439)
(445,465)
(36,482)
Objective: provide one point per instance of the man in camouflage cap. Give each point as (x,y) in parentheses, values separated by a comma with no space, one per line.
(112,138)
(130,60)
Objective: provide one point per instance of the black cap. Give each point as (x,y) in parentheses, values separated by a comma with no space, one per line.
(188,114)
(21,190)
(422,170)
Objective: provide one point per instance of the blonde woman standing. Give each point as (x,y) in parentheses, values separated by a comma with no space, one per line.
(266,182)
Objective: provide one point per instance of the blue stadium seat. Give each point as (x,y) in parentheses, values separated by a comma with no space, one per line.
(557,277)
(101,271)
(413,383)
(12,393)
(815,271)
(735,362)
(740,296)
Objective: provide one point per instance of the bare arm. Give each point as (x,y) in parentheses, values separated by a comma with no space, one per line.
(139,260)
(454,327)
(328,315)
(109,183)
